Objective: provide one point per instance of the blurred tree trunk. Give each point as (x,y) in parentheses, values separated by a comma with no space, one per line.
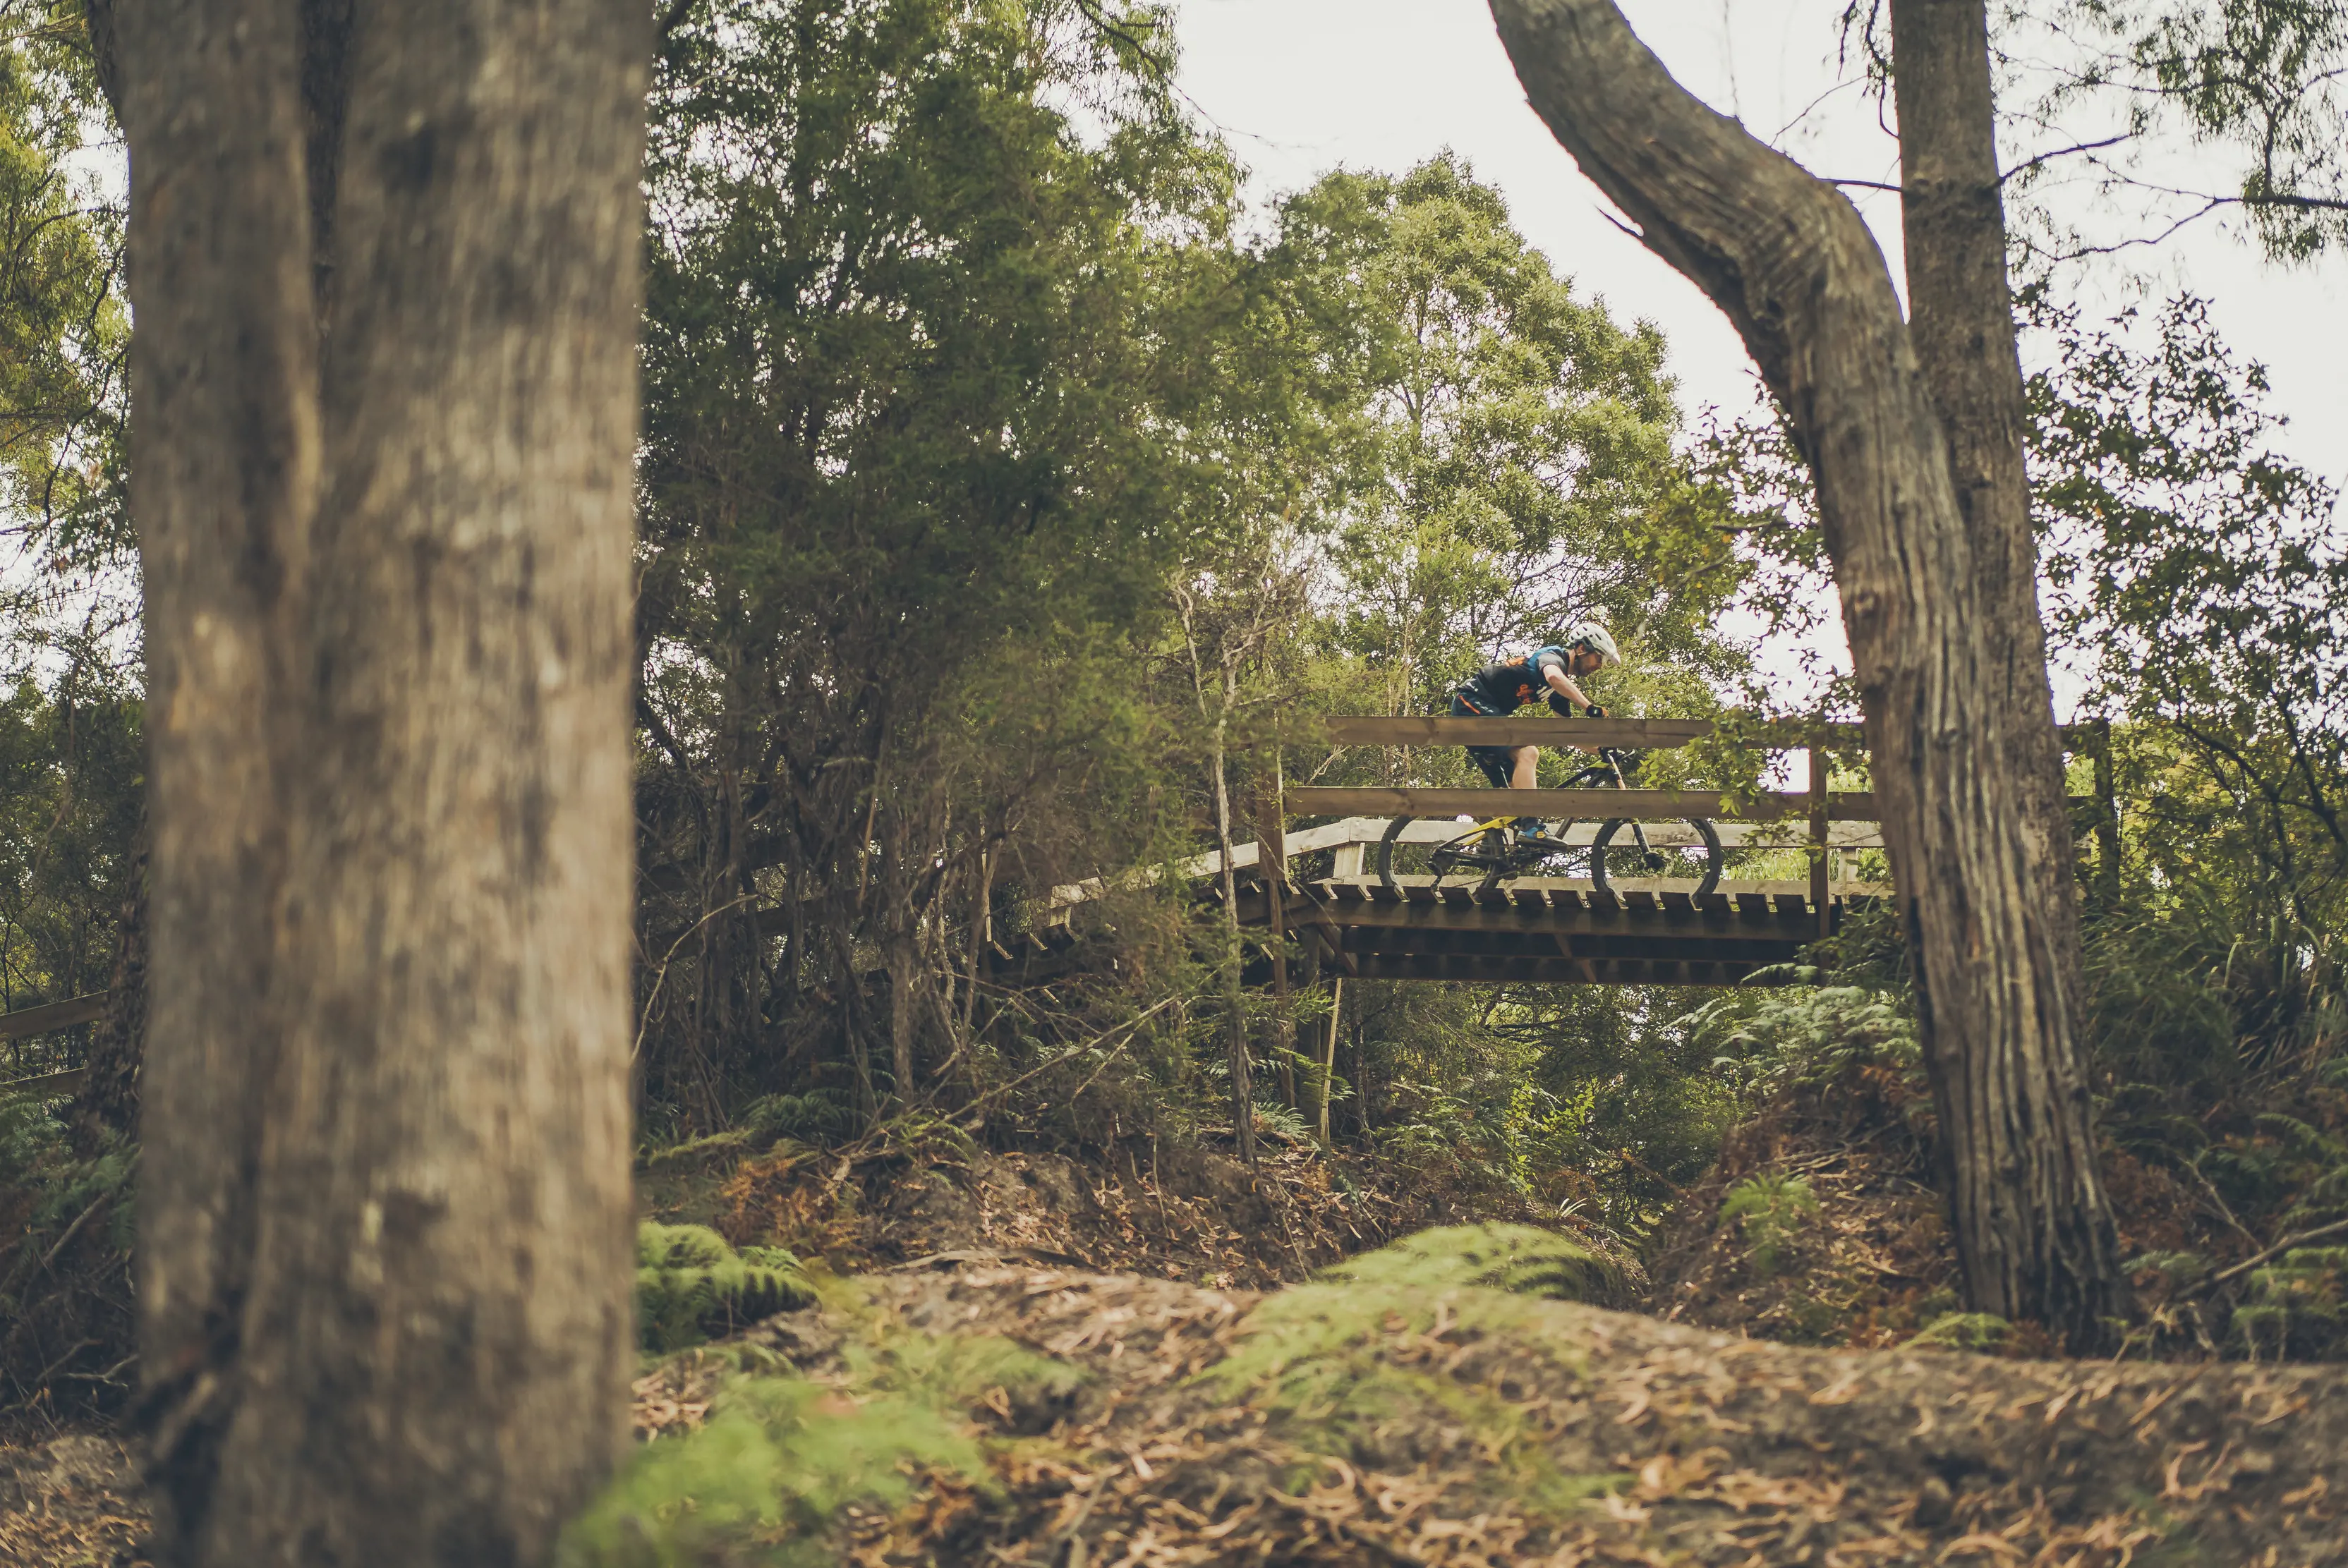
(388,282)
(1789,261)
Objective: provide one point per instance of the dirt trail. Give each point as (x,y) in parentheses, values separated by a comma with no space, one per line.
(1363,1424)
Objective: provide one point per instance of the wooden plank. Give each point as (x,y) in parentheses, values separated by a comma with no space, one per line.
(1541,729)
(1639,804)
(46,1086)
(1555,970)
(50,1017)
(1659,924)
(1617,948)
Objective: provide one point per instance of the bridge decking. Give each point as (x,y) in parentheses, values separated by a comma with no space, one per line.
(1550,929)
(1544,929)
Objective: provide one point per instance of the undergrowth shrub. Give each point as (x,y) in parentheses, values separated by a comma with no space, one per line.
(67,1334)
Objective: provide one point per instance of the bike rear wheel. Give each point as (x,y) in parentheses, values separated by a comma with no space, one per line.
(1682,851)
(1472,856)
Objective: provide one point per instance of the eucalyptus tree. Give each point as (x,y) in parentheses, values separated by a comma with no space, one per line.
(1515,442)
(950,358)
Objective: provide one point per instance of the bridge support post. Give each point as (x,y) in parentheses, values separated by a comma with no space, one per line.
(1272,860)
(1329,1056)
(1820,892)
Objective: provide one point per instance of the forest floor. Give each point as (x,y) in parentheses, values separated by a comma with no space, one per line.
(1172,1423)
(1124,1363)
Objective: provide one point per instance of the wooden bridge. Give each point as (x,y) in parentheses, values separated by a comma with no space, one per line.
(1349,923)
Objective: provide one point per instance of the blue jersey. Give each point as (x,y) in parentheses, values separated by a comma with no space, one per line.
(1505,687)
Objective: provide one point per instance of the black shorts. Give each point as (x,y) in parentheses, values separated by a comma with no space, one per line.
(1499,764)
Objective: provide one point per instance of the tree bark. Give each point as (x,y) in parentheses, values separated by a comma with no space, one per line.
(1960,321)
(1791,263)
(385,1212)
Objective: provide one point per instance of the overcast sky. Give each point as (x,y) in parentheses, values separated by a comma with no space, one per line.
(1300,87)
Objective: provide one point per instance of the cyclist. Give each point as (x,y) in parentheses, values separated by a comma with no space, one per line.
(1582,650)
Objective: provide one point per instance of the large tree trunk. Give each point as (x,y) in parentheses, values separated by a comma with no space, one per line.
(1960,321)
(384,1211)
(1796,269)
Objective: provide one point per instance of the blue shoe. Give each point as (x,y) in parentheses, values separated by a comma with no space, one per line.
(1527,826)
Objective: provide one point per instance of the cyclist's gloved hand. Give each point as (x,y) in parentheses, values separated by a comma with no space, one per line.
(1594,711)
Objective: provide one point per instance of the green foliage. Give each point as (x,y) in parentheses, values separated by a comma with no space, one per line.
(71,761)
(2258,77)
(1978,1332)
(1494,1257)
(1481,376)
(66,1218)
(64,331)
(691,1286)
(764,1479)
(1771,1210)
(950,361)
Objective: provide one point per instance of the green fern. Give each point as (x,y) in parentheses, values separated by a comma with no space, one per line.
(1494,1256)
(781,1456)
(2298,1305)
(1313,1357)
(691,1286)
(1981,1332)
(1771,1211)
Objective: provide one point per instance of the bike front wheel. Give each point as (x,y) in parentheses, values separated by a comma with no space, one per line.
(1471,857)
(1629,852)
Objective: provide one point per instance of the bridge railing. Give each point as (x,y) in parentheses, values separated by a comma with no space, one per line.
(1818,808)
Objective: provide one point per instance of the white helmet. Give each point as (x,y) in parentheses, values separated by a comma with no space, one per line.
(1592,635)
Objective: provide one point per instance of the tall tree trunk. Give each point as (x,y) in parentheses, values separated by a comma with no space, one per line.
(1960,321)
(1795,269)
(384,1207)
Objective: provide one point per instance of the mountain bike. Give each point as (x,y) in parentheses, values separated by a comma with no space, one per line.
(1491,854)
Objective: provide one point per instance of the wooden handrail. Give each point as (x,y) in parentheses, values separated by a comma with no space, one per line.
(1643,804)
(1533,730)
(1542,728)
(25,1022)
